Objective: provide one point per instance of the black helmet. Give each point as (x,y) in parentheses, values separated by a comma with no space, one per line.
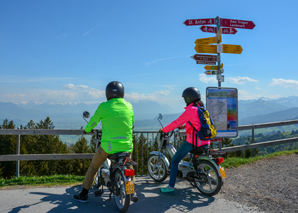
(191,94)
(114,89)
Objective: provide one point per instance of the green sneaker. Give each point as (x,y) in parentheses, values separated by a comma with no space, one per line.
(167,191)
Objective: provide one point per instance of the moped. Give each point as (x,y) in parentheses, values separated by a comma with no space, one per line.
(203,170)
(115,175)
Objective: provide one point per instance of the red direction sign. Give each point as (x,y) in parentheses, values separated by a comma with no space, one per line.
(205,59)
(209,29)
(205,21)
(237,23)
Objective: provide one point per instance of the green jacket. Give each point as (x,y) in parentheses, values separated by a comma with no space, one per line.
(117,119)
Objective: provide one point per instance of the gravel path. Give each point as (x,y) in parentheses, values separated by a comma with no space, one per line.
(269,184)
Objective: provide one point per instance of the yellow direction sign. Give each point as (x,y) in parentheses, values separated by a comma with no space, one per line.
(210,40)
(203,48)
(230,48)
(218,35)
(210,67)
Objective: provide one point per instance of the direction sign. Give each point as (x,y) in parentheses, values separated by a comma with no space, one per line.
(206,62)
(237,23)
(202,57)
(205,21)
(203,48)
(213,72)
(225,30)
(210,40)
(229,48)
(209,67)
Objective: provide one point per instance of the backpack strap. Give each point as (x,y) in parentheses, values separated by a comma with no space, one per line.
(194,136)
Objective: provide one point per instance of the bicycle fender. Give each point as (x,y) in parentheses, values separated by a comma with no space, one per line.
(163,157)
(203,158)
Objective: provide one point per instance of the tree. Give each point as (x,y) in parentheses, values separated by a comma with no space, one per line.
(7,146)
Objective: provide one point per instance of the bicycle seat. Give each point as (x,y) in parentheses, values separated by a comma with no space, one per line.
(200,149)
(118,155)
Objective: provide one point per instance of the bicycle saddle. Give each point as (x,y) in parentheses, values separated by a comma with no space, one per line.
(118,155)
(200,149)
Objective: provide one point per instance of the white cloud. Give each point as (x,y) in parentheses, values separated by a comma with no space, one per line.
(73,87)
(161,59)
(241,80)
(93,28)
(158,96)
(257,87)
(206,79)
(284,83)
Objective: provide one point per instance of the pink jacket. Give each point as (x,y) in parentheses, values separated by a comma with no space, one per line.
(190,114)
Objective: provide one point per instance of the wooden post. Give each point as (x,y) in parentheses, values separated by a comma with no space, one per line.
(18,153)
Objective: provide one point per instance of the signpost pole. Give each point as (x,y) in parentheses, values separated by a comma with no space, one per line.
(217,21)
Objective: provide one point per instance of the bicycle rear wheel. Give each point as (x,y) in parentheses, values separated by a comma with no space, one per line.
(209,182)
(122,199)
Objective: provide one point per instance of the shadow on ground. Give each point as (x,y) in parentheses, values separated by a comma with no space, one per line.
(186,199)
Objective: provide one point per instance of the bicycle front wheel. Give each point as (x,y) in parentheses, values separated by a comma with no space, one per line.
(157,168)
(122,199)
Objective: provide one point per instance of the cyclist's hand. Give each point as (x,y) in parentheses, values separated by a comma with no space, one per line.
(181,127)
(160,131)
(85,132)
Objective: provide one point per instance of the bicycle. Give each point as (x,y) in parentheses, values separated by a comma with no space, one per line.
(203,169)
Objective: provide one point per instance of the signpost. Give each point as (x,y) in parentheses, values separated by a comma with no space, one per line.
(225,30)
(205,21)
(237,23)
(221,102)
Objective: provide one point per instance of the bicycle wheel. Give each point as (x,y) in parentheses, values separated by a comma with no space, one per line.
(122,199)
(157,168)
(209,182)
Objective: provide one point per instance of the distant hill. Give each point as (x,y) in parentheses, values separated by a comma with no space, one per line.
(259,107)
(283,115)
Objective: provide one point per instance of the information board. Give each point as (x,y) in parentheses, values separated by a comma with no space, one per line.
(222,104)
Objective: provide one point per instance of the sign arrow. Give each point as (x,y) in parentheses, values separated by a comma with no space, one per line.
(203,48)
(205,21)
(229,48)
(213,72)
(225,30)
(202,57)
(209,67)
(237,23)
(210,40)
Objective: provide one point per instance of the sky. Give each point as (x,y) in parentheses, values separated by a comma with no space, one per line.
(69,50)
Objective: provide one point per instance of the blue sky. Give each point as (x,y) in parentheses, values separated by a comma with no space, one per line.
(67,50)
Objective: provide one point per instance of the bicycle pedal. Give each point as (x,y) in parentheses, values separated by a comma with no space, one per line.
(98,193)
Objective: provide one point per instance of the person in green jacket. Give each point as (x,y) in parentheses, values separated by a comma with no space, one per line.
(117,117)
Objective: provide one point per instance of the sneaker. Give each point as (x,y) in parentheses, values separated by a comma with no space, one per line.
(167,191)
(80,198)
(134,198)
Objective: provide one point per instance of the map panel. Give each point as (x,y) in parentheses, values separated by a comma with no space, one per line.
(222,106)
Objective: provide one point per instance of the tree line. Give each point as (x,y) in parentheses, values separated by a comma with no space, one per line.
(50,144)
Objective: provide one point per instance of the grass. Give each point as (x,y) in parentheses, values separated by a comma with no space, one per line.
(238,161)
(42,180)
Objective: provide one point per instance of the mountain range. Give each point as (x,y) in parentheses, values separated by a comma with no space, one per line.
(69,115)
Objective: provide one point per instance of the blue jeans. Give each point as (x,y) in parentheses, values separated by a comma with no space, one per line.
(182,151)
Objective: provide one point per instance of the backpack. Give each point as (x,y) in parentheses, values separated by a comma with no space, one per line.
(207,130)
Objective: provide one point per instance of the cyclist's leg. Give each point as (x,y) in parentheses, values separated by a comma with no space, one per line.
(98,159)
(182,151)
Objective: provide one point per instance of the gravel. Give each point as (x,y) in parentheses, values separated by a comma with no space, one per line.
(270,184)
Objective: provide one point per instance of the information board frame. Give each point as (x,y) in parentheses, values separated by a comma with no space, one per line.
(225,99)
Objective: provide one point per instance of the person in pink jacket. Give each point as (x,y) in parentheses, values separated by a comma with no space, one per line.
(192,98)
